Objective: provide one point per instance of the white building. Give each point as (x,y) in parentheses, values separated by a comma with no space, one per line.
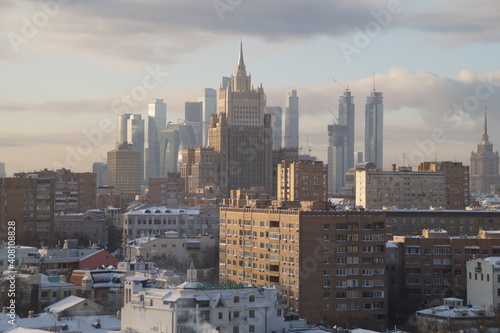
(193,307)
(483,282)
(156,220)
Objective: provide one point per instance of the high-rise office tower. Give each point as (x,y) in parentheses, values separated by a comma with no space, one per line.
(208,97)
(122,126)
(135,136)
(484,165)
(292,119)
(276,113)
(124,171)
(374,129)
(101,171)
(358,157)
(226,80)
(337,157)
(193,112)
(172,140)
(346,118)
(2,170)
(157,122)
(241,134)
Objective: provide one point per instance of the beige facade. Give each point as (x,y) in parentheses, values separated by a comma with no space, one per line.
(241,135)
(330,265)
(89,228)
(301,181)
(456,179)
(400,188)
(172,246)
(124,171)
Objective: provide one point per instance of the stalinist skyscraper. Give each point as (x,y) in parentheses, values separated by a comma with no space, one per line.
(241,134)
(484,165)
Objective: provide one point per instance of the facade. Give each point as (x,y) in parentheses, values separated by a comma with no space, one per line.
(337,157)
(193,307)
(124,171)
(108,196)
(301,181)
(483,282)
(289,155)
(167,191)
(330,265)
(182,249)
(277,124)
(199,168)
(241,135)
(456,179)
(292,119)
(374,129)
(434,265)
(135,136)
(208,97)
(101,171)
(455,222)
(30,202)
(193,115)
(484,165)
(89,228)
(157,122)
(400,188)
(74,191)
(153,220)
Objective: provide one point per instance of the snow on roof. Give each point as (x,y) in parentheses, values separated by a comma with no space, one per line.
(4,321)
(65,304)
(91,254)
(24,330)
(75,324)
(495,261)
(162,210)
(391,244)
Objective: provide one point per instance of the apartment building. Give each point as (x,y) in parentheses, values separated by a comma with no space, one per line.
(330,265)
(301,181)
(168,191)
(483,282)
(434,264)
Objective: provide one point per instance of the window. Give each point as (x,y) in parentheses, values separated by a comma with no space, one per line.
(251,313)
(251,328)
(326,272)
(236,329)
(221,315)
(236,299)
(236,314)
(251,298)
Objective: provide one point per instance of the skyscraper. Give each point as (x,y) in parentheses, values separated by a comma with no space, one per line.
(157,122)
(337,157)
(346,118)
(193,112)
(101,171)
(122,127)
(374,129)
(124,171)
(135,136)
(484,165)
(241,134)
(208,97)
(277,123)
(292,119)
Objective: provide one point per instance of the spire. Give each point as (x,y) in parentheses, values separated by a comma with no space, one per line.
(241,63)
(485,135)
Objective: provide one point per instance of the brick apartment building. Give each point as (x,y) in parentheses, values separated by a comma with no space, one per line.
(330,265)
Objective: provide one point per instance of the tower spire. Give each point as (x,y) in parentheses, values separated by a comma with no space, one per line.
(241,63)
(485,135)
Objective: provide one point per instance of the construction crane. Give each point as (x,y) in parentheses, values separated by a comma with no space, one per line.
(341,85)
(308,146)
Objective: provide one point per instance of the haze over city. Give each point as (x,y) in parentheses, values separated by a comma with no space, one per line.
(70,67)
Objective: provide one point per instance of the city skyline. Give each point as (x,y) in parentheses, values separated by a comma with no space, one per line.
(65,89)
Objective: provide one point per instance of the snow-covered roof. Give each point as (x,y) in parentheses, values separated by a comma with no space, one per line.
(445,311)
(45,282)
(65,304)
(162,210)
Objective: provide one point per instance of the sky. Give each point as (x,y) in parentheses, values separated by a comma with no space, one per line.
(69,67)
